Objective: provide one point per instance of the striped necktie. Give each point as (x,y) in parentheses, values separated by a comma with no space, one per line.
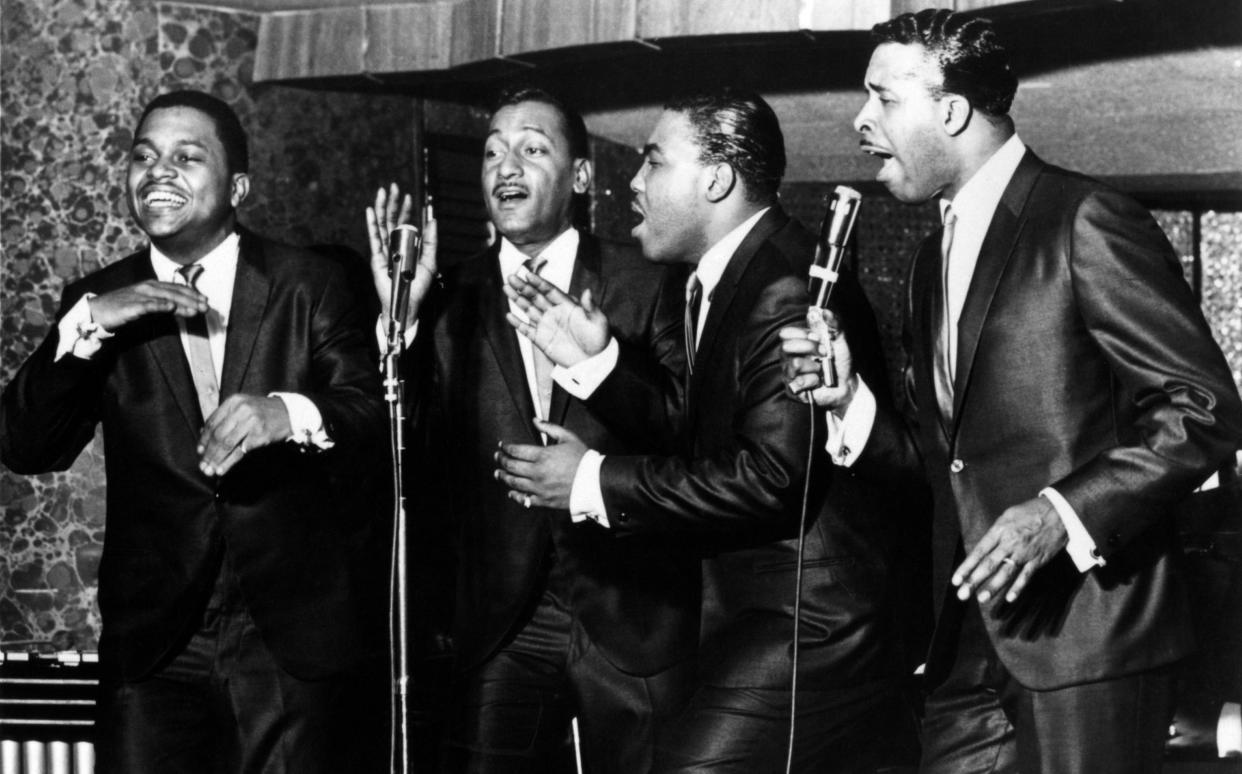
(199,350)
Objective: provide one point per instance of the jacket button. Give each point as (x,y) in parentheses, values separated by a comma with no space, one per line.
(622,517)
(956,466)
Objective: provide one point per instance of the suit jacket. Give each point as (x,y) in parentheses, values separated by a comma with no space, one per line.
(736,487)
(1084,364)
(638,599)
(292,527)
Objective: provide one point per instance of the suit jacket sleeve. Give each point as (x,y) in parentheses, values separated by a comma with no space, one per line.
(343,368)
(1139,310)
(50,409)
(748,474)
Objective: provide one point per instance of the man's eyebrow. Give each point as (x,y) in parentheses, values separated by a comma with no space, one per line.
(650,148)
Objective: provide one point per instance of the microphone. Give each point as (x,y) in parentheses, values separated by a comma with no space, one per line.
(404,249)
(834,234)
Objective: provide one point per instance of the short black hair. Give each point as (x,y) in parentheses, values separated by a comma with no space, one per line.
(228,125)
(973,61)
(740,129)
(575,127)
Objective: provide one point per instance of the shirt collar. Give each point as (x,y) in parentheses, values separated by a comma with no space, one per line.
(713,263)
(220,261)
(979,197)
(560,255)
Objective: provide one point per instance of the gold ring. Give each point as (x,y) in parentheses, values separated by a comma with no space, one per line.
(1009,560)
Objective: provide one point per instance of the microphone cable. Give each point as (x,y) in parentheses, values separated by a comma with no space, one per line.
(793,680)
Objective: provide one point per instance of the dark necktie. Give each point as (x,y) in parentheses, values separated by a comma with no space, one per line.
(543,366)
(694,299)
(199,351)
(942,354)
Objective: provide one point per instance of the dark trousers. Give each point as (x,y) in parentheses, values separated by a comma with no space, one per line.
(746,731)
(512,714)
(222,705)
(979,719)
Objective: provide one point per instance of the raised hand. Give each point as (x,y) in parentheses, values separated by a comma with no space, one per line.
(390,210)
(567,330)
(113,310)
(238,426)
(813,353)
(541,475)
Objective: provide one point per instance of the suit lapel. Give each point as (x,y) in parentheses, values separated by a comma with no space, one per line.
(587,275)
(924,310)
(164,345)
(994,255)
(722,296)
(250,292)
(493,305)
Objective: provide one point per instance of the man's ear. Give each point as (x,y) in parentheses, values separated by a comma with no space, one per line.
(956,113)
(721,178)
(583,172)
(241,189)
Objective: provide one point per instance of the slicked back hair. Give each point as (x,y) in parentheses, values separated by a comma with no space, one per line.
(973,62)
(740,129)
(574,126)
(228,126)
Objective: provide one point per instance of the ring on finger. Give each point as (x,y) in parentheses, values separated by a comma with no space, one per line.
(1009,561)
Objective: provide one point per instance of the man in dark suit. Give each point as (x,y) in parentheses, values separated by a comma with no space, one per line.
(1065,393)
(735,486)
(230,582)
(551,621)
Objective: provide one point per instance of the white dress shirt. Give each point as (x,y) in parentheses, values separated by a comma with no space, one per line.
(558,269)
(973,207)
(216,282)
(586,499)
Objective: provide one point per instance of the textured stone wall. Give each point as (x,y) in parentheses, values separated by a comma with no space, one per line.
(73,79)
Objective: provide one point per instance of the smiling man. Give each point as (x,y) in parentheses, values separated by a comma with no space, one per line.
(235,385)
(1065,394)
(551,622)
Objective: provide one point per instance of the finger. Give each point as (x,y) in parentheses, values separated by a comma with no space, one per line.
(407,206)
(984,547)
(1019,583)
(521,451)
(376,239)
(555,432)
(523,327)
(588,302)
(381,209)
(525,500)
(793,333)
(391,206)
(799,347)
(803,383)
(235,455)
(1002,572)
(513,480)
(431,241)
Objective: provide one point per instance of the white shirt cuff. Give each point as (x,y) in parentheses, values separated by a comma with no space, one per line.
(79,333)
(586,500)
(848,435)
(583,378)
(305,420)
(1081,547)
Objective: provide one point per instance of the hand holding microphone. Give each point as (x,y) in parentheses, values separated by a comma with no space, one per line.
(817,356)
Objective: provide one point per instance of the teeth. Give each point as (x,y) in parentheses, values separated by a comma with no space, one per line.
(510,195)
(163,197)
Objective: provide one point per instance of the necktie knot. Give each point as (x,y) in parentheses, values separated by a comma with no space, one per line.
(191,274)
(535,265)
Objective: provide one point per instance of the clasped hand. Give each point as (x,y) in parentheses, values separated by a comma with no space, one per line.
(541,475)
(564,328)
(238,426)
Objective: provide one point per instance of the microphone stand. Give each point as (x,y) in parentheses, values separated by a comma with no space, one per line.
(399,609)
